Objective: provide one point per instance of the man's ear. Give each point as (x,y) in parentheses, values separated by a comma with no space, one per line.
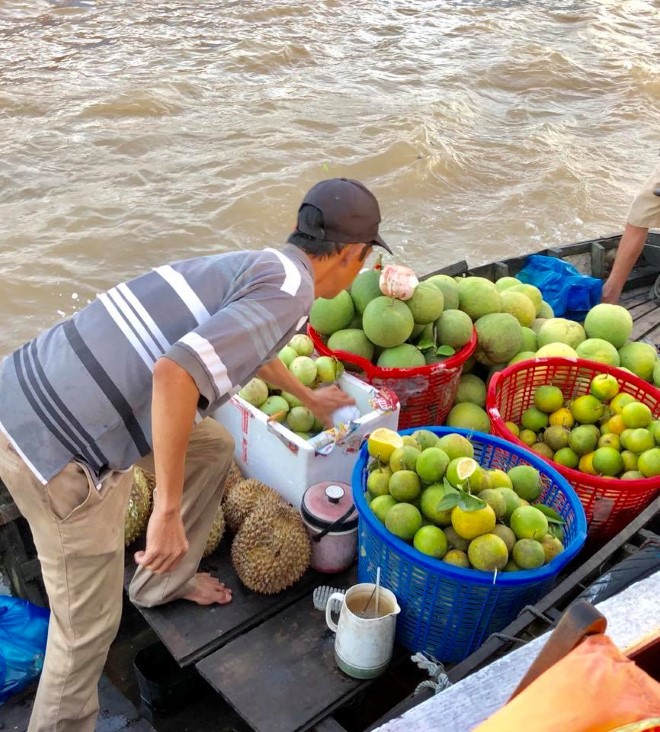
(350,254)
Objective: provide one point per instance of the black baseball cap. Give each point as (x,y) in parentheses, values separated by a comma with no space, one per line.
(350,212)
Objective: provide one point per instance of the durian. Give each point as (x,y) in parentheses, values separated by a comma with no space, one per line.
(217,530)
(271,550)
(241,498)
(139,505)
(233,476)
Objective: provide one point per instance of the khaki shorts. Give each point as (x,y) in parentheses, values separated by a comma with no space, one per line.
(645,209)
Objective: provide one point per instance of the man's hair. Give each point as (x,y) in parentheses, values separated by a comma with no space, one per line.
(311,218)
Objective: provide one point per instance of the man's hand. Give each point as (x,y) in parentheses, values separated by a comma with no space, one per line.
(326,400)
(611,292)
(166,543)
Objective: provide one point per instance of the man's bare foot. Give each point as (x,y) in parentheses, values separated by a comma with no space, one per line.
(207,590)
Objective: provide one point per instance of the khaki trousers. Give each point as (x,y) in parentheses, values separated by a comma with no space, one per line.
(78,532)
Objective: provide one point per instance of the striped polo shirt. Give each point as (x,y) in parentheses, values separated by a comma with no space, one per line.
(82,389)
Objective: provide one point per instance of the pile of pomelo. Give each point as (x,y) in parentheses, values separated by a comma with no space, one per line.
(430,491)
(604,432)
(298,356)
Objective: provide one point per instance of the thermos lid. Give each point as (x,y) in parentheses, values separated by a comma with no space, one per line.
(329,505)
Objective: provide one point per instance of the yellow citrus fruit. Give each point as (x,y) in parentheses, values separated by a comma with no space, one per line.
(587,409)
(528,437)
(383,442)
(629,460)
(636,414)
(488,553)
(460,470)
(512,427)
(586,464)
(405,485)
(528,554)
(562,418)
(457,558)
(607,461)
(648,464)
(615,424)
(470,524)
(610,440)
(500,479)
(639,440)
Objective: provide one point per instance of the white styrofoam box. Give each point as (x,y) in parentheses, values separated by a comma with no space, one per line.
(271,453)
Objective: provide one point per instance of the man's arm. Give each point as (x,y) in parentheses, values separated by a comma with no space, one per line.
(630,247)
(322,402)
(174,403)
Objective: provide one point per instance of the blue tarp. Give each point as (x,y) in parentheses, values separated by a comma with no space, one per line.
(569,293)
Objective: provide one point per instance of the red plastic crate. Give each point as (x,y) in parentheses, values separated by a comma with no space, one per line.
(609,504)
(426,393)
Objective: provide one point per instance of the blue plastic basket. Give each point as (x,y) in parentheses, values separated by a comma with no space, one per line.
(448,611)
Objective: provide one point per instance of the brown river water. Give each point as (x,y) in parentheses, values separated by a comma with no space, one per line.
(135,133)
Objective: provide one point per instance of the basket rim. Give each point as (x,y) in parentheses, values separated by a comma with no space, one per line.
(373,371)
(572,475)
(505,579)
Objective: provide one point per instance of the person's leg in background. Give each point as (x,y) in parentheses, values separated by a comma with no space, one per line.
(208,459)
(78,532)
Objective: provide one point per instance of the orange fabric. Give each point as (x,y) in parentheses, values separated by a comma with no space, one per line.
(595,688)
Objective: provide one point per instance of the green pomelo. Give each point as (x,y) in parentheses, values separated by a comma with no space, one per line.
(538,324)
(405,485)
(560,330)
(255,392)
(518,305)
(425,438)
(380,505)
(488,552)
(427,303)
(586,409)
(454,328)
(471,389)
(648,463)
(468,416)
(431,540)
(636,415)
(403,520)
(632,475)
(656,373)
(530,341)
(447,285)
(607,461)
(365,288)
(583,439)
(387,322)
(404,458)
(526,481)
(505,282)
(330,315)
(478,297)
(546,311)
(431,499)
(356,321)
(352,340)
(527,522)
(548,398)
(418,330)
(328,369)
(600,350)
(456,446)
(432,464)
(499,338)
(566,457)
(522,356)
(528,554)
(640,358)
(532,292)
(275,405)
(556,350)
(534,419)
(291,400)
(611,323)
(405,356)
(300,419)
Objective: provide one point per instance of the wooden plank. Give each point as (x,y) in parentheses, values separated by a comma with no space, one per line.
(329,725)
(648,327)
(190,631)
(640,310)
(282,675)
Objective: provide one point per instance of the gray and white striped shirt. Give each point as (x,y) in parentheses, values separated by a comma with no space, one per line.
(82,389)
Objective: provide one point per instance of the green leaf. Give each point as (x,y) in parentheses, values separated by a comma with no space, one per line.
(449,500)
(449,488)
(425,344)
(445,351)
(468,502)
(558,522)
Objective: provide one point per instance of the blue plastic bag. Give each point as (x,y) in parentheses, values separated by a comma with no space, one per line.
(569,293)
(23,631)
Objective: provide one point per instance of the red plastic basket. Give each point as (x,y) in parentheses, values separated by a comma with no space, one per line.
(426,393)
(609,504)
